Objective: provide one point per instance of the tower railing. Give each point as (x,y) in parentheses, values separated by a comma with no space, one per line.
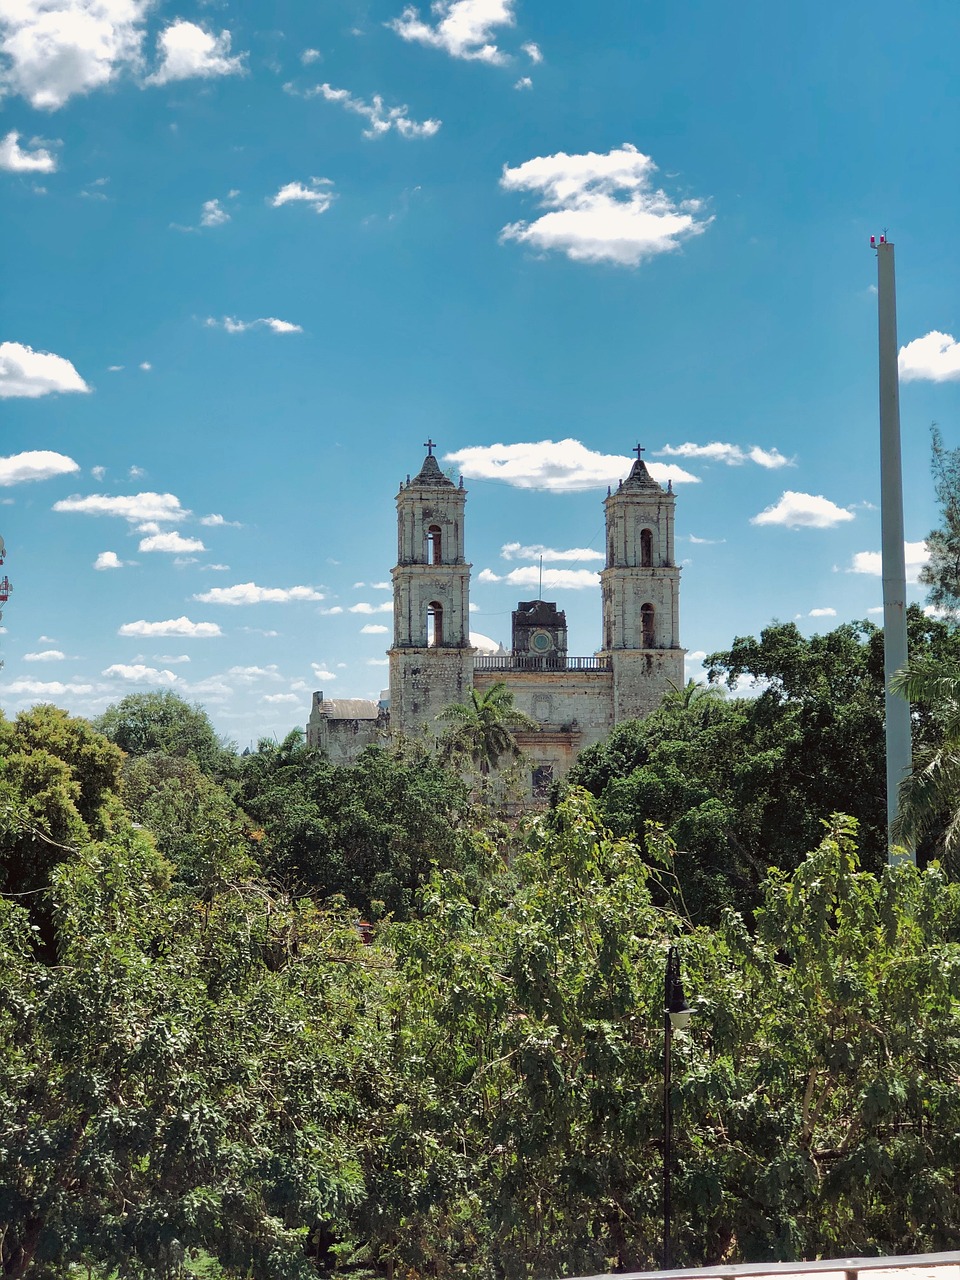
(534,662)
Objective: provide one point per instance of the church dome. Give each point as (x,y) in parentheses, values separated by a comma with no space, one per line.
(484,645)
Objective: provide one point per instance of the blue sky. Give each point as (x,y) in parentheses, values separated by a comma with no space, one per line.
(255,256)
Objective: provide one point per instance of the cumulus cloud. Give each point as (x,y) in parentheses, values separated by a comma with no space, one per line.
(173,658)
(731,454)
(47,688)
(231,325)
(601,208)
(140,674)
(560,467)
(321,672)
(533,52)
(108,560)
(171,627)
(523,83)
(187,50)
(706,542)
(173,542)
(287,699)
(515,551)
(915,555)
(250,593)
(25,372)
(803,510)
(14,159)
(255,673)
(933,358)
(823,613)
(310,55)
(35,464)
(55,49)
(380,119)
(318,195)
(45,655)
(364,607)
(373,629)
(215,521)
(135,507)
(462,28)
(213,214)
(557,579)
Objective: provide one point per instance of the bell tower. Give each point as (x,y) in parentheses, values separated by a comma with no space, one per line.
(641,594)
(431,662)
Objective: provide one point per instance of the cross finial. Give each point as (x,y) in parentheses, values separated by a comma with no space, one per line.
(429,445)
(638,450)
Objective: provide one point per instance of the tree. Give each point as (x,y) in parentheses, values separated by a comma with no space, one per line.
(941,573)
(162,721)
(929,801)
(481,730)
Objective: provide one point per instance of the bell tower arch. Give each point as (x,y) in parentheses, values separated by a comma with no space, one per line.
(641,594)
(431,661)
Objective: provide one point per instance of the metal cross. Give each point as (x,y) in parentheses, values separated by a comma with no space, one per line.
(429,446)
(638,449)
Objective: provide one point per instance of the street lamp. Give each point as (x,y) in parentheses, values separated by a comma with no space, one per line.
(676,1015)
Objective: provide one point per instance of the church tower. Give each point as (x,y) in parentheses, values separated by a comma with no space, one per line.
(641,589)
(431,662)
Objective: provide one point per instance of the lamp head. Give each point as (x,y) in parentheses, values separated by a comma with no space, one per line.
(675,1002)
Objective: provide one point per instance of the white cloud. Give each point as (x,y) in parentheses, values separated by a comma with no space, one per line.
(561,467)
(555,579)
(823,613)
(25,372)
(381,586)
(514,551)
(108,560)
(255,673)
(706,542)
(378,662)
(380,120)
(250,593)
(231,325)
(16,160)
(54,49)
(98,472)
(915,555)
(373,629)
(136,473)
(310,55)
(601,208)
(523,83)
(330,612)
(140,506)
(363,607)
(187,50)
(533,52)
(212,214)
(731,454)
(47,688)
(215,521)
(35,464)
(463,28)
(278,698)
(321,673)
(216,568)
(806,510)
(145,365)
(171,627)
(46,655)
(318,194)
(174,542)
(141,674)
(934,357)
(173,658)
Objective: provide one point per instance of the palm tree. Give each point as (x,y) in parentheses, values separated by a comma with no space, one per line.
(931,793)
(482,729)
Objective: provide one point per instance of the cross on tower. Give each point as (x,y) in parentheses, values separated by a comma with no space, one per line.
(429,446)
(638,450)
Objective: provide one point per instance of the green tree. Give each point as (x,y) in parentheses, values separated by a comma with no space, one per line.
(941,573)
(143,723)
(481,730)
(929,801)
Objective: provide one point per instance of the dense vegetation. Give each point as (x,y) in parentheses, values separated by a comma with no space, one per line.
(203,1056)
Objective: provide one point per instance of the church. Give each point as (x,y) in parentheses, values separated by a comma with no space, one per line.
(576,701)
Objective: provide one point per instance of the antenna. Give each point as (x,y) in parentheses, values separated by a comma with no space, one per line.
(540,587)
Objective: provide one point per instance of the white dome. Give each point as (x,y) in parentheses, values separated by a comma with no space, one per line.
(483,644)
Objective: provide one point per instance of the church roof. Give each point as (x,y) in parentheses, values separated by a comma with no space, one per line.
(349,709)
(640,478)
(431,474)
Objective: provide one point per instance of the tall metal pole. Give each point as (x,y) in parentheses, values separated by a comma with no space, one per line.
(667,1112)
(897,709)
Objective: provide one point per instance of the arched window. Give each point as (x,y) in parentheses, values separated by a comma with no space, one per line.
(646,548)
(433,539)
(648,626)
(434,624)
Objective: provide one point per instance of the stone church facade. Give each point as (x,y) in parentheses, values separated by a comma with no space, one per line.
(575,700)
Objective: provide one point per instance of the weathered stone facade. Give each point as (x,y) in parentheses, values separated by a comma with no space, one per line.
(577,701)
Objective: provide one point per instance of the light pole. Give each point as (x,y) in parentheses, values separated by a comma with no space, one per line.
(676,1015)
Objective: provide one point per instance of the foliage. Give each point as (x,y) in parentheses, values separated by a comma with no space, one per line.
(941,573)
(144,723)
(929,803)
(481,730)
(371,831)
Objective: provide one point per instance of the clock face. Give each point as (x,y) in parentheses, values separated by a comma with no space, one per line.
(541,642)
